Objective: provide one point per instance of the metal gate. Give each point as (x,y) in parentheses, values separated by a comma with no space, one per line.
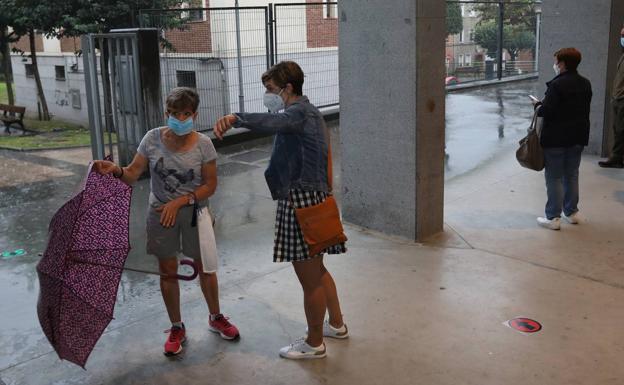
(221,52)
(307,33)
(122,97)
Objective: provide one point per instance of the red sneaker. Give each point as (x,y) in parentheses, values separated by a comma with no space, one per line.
(177,337)
(222,326)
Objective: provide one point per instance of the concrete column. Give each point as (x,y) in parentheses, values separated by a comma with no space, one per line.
(392,115)
(594,30)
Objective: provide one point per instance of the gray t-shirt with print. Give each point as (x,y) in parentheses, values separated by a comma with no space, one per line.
(174,174)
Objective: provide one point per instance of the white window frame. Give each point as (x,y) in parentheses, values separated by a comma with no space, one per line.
(330,11)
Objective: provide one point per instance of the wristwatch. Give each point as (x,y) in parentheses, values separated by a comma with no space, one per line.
(191,197)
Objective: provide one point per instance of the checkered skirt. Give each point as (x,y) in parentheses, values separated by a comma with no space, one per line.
(289,242)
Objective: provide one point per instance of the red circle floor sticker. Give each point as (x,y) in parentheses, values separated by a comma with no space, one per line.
(525,325)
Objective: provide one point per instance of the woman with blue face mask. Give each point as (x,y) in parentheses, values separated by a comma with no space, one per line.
(183,172)
(297,177)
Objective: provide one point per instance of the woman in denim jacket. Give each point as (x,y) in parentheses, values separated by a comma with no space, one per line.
(297,177)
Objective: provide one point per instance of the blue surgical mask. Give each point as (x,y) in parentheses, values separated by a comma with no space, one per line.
(180,128)
(273,102)
(622,41)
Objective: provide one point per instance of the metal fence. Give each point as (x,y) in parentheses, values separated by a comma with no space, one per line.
(222,52)
(491,40)
(308,34)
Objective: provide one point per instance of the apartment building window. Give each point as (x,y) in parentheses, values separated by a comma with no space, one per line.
(330,9)
(194,14)
(30,70)
(472,35)
(59,71)
(468,59)
(461,36)
(186,79)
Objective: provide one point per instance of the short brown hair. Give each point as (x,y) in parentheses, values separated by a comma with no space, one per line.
(182,97)
(283,73)
(570,56)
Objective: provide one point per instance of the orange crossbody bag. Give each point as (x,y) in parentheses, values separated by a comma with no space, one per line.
(320,224)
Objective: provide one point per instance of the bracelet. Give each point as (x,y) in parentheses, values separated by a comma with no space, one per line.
(192,198)
(120,175)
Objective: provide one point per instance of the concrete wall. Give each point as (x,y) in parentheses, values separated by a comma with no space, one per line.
(320,67)
(594,30)
(58,92)
(392,114)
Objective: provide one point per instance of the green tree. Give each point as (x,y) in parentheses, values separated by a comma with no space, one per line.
(514,39)
(27,18)
(519,24)
(454,19)
(6,38)
(520,14)
(101,16)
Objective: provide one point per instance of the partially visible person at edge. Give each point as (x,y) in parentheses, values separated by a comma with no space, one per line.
(616,160)
(565,132)
(183,171)
(297,177)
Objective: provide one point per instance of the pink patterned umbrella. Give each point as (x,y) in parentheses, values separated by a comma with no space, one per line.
(80,270)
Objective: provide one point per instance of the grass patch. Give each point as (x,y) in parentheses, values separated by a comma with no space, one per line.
(4,97)
(52,134)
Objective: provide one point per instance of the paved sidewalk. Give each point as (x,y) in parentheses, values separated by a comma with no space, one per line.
(418,313)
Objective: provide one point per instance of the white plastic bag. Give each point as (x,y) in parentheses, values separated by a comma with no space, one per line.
(207,242)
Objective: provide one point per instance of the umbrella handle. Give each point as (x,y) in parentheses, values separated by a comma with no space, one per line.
(191,263)
(185,261)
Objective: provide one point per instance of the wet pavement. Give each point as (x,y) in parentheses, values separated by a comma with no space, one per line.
(482,123)
(492,263)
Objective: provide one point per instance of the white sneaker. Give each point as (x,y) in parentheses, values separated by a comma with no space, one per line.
(300,350)
(553,224)
(331,332)
(573,219)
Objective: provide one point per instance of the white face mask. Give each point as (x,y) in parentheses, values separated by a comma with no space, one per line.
(273,102)
(556,69)
(622,41)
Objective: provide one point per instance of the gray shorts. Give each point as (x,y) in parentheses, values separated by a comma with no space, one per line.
(166,243)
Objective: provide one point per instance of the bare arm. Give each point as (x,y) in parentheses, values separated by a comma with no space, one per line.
(169,211)
(129,174)
(209,181)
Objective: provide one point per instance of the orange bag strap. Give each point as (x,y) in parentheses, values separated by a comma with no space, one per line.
(330,168)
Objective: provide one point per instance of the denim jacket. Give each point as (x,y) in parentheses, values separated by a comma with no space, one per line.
(299,157)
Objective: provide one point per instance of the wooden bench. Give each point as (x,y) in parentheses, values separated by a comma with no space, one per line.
(12,115)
